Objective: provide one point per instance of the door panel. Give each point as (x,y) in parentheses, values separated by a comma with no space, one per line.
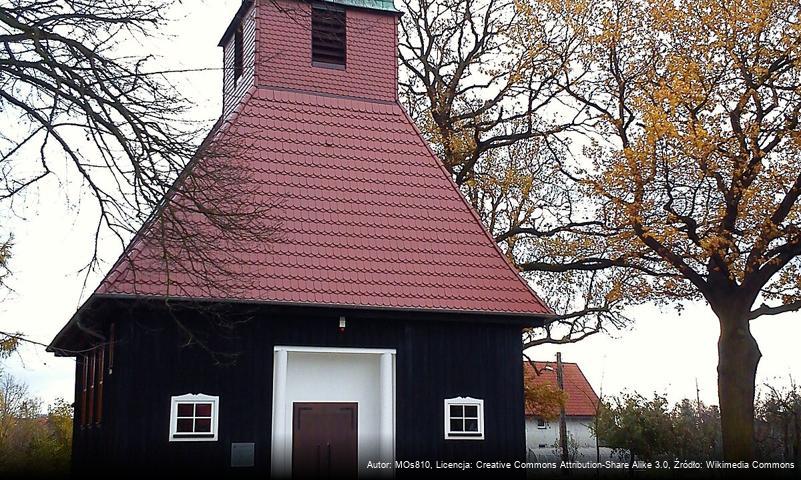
(324,440)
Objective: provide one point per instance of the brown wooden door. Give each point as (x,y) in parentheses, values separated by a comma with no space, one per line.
(324,440)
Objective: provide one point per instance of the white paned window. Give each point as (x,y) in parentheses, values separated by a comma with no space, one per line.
(464,418)
(194,418)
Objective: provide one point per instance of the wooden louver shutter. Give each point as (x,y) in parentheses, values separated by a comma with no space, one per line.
(90,413)
(328,35)
(239,52)
(101,357)
(84,389)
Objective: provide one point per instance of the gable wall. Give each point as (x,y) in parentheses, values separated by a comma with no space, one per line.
(579,428)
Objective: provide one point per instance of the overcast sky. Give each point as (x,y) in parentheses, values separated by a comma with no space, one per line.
(663,351)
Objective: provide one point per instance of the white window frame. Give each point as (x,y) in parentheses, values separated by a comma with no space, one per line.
(194,398)
(467,402)
(542,423)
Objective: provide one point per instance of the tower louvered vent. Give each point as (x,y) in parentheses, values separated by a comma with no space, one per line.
(328,35)
(239,52)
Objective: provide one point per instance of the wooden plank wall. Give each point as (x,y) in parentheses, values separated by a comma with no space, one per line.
(435,360)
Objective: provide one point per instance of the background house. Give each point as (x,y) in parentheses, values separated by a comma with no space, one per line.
(542,436)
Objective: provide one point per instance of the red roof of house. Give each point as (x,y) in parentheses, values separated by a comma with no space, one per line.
(367,217)
(581,398)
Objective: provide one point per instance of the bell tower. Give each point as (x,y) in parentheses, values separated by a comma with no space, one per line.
(344,48)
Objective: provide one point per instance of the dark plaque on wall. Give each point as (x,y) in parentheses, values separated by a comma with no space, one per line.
(242,454)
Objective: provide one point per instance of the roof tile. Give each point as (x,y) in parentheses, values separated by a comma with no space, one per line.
(367,216)
(581,398)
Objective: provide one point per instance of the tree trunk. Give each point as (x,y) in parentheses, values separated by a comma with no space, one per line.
(738,357)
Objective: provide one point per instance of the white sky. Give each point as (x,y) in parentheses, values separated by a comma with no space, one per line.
(663,351)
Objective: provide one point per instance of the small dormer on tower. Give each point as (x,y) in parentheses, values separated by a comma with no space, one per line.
(239,53)
(332,47)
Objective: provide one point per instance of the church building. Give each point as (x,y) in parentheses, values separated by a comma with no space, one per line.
(379,322)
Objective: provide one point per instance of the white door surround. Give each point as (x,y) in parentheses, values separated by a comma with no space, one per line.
(325,374)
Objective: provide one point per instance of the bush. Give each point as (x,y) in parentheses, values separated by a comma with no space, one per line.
(31,442)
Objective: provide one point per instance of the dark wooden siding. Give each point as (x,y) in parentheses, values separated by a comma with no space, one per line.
(435,360)
(439,360)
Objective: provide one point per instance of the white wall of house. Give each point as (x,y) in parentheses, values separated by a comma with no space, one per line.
(542,440)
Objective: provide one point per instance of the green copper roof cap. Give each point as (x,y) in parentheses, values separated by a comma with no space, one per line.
(384,5)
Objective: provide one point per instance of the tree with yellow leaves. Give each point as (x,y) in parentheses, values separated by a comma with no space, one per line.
(662,163)
(480,82)
(693,164)
(544,400)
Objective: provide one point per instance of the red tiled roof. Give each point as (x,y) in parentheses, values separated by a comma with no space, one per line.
(368,218)
(581,398)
